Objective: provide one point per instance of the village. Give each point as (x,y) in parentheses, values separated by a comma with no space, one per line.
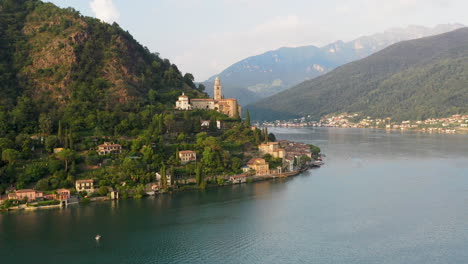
(450,125)
(268,160)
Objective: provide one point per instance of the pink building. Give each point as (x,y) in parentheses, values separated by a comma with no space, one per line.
(30,194)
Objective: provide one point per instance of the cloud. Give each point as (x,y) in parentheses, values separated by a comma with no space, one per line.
(105,10)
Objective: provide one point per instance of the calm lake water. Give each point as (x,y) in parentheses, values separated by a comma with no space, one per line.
(381,198)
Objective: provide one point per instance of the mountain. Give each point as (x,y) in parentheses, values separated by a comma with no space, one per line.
(274,71)
(59,64)
(414,79)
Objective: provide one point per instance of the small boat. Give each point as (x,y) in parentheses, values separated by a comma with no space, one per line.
(98,237)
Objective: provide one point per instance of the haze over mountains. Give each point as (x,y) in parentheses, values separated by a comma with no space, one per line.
(263,75)
(416,79)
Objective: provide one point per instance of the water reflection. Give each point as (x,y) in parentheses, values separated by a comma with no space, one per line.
(383,197)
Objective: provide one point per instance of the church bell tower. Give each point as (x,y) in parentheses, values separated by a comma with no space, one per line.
(218,90)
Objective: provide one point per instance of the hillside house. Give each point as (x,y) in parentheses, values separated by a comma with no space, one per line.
(85,186)
(109,148)
(187,156)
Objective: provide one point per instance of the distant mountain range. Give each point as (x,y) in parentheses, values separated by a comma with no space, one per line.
(414,79)
(263,75)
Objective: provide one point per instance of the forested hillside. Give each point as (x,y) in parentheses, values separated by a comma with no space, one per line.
(70,83)
(59,65)
(415,79)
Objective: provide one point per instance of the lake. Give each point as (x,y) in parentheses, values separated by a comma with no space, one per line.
(382,197)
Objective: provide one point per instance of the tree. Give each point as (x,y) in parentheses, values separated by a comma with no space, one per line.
(172,174)
(59,132)
(199,174)
(201,87)
(163,181)
(197,125)
(51,142)
(213,124)
(169,122)
(45,124)
(247,118)
(67,155)
(271,137)
(10,155)
(102,191)
(236,163)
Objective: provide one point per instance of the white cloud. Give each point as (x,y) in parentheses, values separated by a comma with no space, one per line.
(105,10)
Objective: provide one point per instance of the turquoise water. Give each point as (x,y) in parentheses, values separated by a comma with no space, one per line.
(381,198)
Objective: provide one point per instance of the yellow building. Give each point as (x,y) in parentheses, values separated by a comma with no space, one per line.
(273,149)
(229,107)
(187,156)
(260,166)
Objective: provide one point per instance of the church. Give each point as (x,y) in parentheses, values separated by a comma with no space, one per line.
(229,107)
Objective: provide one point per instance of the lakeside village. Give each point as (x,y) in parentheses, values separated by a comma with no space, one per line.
(181,151)
(450,125)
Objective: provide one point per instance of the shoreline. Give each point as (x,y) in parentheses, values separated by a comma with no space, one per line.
(258,178)
(435,131)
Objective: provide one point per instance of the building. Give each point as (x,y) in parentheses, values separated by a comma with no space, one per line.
(187,156)
(63,194)
(85,186)
(183,103)
(30,194)
(273,149)
(205,124)
(238,178)
(109,148)
(229,107)
(58,150)
(260,166)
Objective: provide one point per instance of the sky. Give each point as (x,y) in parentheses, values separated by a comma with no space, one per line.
(204,37)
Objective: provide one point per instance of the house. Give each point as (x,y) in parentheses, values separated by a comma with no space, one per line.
(85,185)
(260,166)
(242,178)
(109,148)
(245,168)
(30,194)
(63,194)
(187,156)
(58,150)
(205,124)
(273,149)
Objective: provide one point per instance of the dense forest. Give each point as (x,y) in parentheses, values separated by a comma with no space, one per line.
(70,82)
(411,80)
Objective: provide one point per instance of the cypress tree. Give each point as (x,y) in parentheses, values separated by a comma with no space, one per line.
(163,177)
(59,132)
(172,173)
(247,118)
(213,124)
(66,139)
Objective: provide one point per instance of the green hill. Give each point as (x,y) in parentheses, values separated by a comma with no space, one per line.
(76,69)
(414,79)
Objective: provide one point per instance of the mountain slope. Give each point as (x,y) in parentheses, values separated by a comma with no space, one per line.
(410,80)
(269,73)
(72,68)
